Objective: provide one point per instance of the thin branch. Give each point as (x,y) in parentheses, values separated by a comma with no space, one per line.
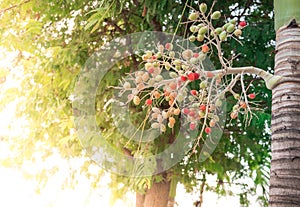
(13,6)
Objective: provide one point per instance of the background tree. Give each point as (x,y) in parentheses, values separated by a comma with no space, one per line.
(54,43)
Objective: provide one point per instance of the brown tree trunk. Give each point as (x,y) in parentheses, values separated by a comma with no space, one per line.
(285,164)
(156,196)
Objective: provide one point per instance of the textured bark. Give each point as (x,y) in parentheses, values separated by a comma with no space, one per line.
(156,196)
(285,164)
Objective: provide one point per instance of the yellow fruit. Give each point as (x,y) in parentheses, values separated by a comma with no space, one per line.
(136,100)
(177,111)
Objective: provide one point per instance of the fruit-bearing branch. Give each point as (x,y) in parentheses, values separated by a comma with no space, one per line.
(270,80)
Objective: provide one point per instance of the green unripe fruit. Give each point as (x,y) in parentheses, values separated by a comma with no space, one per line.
(216,15)
(203,85)
(172,54)
(200,37)
(158,78)
(203,7)
(178,67)
(237,96)
(230,28)
(218,103)
(235,107)
(223,36)
(194,60)
(225,26)
(233,21)
(202,30)
(159,55)
(194,28)
(173,75)
(193,16)
(192,38)
(176,62)
(167,66)
(218,30)
(238,32)
(202,56)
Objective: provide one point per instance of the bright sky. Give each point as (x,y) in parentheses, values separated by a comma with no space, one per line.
(16,190)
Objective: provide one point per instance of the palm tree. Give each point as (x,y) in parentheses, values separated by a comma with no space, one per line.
(285,164)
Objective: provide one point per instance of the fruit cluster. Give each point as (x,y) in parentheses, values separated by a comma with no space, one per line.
(172,88)
(174,84)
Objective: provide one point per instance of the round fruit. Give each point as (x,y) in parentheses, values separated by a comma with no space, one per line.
(205,48)
(177,111)
(202,107)
(148,102)
(183,78)
(207,130)
(193,76)
(218,30)
(209,74)
(156,94)
(173,86)
(216,15)
(202,30)
(243,104)
(230,28)
(194,92)
(192,38)
(194,60)
(200,37)
(185,111)
(126,85)
(192,126)
(169,46)
(203,7)
(242,24)
(252,96)
(194,28)
(234,114)
(136,100)
(193,16)
(238,32)
(212,123)
(172,120)
(223,36)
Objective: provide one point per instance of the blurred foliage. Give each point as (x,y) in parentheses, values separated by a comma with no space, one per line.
(55,38)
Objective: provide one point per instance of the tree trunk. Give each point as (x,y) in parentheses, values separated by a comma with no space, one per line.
(285,164)
(156,196)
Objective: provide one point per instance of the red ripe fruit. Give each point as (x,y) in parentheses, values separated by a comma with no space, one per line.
(148,102)
(242,23)
(192,113)
(173,86)
(196,55)
(209,74)
(169,46)
(186,111)
(194,92)
(151,70)
(202,107)
(252,96)
(183,78)
(192,126)
(193,76)
(207,130)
